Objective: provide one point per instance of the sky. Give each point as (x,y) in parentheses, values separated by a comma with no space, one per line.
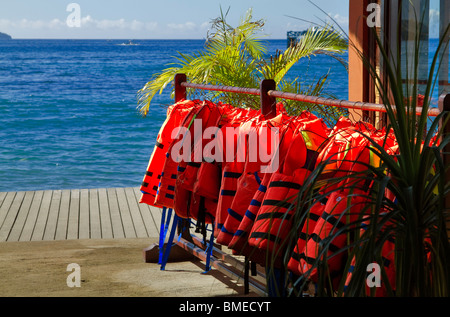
(161,19)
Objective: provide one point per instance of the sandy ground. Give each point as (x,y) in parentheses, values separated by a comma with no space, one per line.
(107,268)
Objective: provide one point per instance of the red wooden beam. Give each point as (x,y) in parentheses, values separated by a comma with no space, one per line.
(268,102)
(180,90)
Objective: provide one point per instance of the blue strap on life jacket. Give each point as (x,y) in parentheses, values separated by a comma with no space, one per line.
(258,179)
(169,243)
(276,280)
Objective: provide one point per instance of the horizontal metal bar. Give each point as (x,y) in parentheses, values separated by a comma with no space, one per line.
(365,106)
(240,90)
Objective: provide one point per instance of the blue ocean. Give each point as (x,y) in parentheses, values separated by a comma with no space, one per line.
(68,109)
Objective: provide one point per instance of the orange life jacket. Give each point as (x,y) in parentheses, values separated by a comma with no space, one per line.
(166,187)
(232,168)
(343,206)
(388,248)
(274,218)
(249,181)
(175,114)
(334,153)
(309,224)
(388,257)
(204,193)
(206,189)
(239,243)
(187,170)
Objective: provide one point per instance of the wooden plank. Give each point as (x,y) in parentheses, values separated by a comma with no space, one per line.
(74,214)
(139,226)
(105,217)
(84,228)
(2,197)
(11,215)
(30,223)
(63,217)
(3,214)
(52,219)
(156,214)
(127,221)
(8,200)
(21,217)
(147,216)
(94,215)
(41,220)
(116,219)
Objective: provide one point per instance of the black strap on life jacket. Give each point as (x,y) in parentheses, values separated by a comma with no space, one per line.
(201,219)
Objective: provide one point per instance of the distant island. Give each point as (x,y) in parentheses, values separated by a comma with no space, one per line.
(4,36)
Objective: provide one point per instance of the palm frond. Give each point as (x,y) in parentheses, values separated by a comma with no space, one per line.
(236,56)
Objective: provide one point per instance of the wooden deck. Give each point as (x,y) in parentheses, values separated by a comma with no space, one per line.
(103,213)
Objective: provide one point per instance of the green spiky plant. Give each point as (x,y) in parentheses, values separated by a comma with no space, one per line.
(415,221)
(236,56)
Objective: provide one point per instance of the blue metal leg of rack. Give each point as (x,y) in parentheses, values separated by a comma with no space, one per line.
(169,243)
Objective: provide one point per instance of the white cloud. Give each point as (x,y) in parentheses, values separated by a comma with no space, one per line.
(151,26)
(90,27)
(339,18)
(120,24)
(55,23)
(31,24)
(136,25)
(338,21)
(109,24)
(182,26)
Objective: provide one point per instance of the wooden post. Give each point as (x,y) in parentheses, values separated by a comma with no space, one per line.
(359,37)
(180,91)
(444,106)
(268,103)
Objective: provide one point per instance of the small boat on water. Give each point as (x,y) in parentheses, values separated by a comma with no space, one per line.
(129,43)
